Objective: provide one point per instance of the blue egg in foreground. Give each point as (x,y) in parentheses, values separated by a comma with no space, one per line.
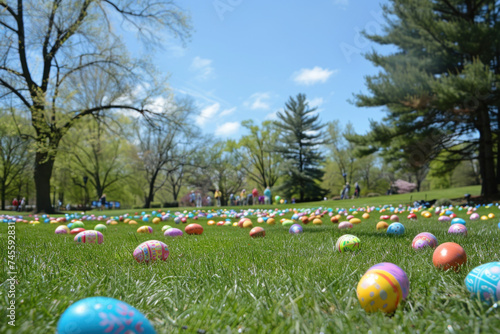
(484,282)
(102,315)
(396,229)
(457,221)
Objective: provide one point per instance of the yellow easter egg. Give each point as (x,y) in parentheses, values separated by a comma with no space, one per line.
(379,291)
(355,221)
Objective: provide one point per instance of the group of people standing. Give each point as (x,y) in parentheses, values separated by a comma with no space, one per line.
(344,193)
(19,205)
(244,198)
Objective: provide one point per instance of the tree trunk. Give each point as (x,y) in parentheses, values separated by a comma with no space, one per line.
(3,197)
(151,194)
(43,172)
(486,156)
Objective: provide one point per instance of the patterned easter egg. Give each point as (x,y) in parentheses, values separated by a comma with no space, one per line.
(458,229)
(423,240)
(63,229)
(100,227)
(379,291)
(398,273)
(396,229)
(145,229)
(89,237)
(345,225)
(257,232)
(474,216)
(295,229)
(150,251)
(194,229)
(444,219)
(101,315)
(348,242)
(449,255)
(484,281)
(173,232)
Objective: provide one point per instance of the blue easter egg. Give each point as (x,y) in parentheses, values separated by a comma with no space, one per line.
(484,282)
(296,229)
(457,221)
(96,315)
(396,229)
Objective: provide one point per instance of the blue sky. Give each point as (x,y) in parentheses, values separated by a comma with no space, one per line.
(245,58)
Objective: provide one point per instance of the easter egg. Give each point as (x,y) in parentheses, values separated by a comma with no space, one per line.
(355,221)
(458,229)
(379,291)
(211,222)
(271,221)
(63,229)
(348,242)
(491,215)
(173,232)
(334,219)
(100,227)
(345,225)
(247,223)
(444,219)
(132,222)
(77,224)
(77,230)
(317,221)
(289,222)
(194,229)
(156,220)
(474,216)
(382,226)
(89,237)
(145,229)
(449,255)
(385,217)
(396,229)
(398,273)
(177,220)
(458,221)
(394,218)
(150,251)
(100,315)
(484,282)
(365,215)
(295,229)
(412,216)
(257,232)
(423,240)
(165,227)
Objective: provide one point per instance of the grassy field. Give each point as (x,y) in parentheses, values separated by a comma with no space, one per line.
(225,281)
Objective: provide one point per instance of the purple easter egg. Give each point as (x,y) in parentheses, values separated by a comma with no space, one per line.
(457,229)
(173,232)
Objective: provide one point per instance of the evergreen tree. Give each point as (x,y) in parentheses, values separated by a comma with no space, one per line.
(301,138)
(443,78)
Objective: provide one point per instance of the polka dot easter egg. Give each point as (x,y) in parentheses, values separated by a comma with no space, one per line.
(379,291)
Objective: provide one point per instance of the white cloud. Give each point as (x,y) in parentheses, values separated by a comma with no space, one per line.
(272,116)
(312,76)
(316,102)
(227,129)
(227,111)
(207,113)
(258,101)
(203,67)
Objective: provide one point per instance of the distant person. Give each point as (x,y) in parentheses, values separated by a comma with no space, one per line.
(243,197)
(255,196)
(231,199)
(261,200)
(68,207)
(249,199)
(267,196)
(357,190)
(103,201)
(347,190)
(192,197)
(342,192)
(209,201)
(198,200)
(15,204)
(237,200)
(217,195)
(23,204)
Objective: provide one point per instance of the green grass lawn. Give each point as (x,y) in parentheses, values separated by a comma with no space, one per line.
(225,281)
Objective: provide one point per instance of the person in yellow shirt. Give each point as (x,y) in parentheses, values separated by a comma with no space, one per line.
(217,196)
(243,197)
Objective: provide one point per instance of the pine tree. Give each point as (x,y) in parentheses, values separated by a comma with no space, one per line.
(443,77)
(301,138)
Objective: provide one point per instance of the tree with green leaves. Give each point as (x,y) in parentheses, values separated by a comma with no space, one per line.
(443,78)
(257,150)
(300,140)
(50,52)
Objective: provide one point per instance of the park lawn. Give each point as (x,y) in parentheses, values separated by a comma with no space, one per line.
(225,281)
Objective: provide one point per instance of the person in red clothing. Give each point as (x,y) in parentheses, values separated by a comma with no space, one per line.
(255,196)
(15,204)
